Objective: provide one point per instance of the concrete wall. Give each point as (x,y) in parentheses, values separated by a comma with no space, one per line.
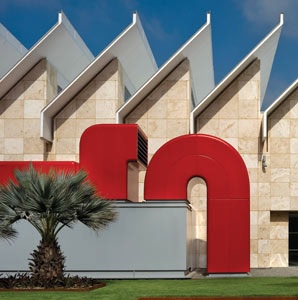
(148,240)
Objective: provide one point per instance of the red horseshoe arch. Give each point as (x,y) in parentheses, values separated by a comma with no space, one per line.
(225,173)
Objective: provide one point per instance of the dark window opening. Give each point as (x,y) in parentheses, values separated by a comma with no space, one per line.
(293,239)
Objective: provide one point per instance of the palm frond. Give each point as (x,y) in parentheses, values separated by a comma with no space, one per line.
(96,213)
(52,201)
(7,232)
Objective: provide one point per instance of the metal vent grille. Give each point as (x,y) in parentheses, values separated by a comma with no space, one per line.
(142,148)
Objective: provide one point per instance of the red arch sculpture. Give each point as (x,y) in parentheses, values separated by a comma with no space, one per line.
(225,173)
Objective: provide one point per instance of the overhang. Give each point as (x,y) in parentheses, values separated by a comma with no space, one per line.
(11,50)
(264,51)
(198,50)
(61,46)
(131,48)
(274,105)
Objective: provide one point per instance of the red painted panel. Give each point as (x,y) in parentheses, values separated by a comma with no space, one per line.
(182,158)
(105,151)
(228,243)
(7,168)
(222,168)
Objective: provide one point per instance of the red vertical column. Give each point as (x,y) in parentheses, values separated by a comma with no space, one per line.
(226,176)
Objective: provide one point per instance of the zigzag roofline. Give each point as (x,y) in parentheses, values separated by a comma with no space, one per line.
(198,49)
(133,51)
(11,50)
(274,105)
(264,51)
(63,39)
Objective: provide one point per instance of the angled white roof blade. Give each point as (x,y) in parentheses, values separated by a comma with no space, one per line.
(131,48)
(11,50)
(265,51)
(61,46)
(274,105)
(198,49)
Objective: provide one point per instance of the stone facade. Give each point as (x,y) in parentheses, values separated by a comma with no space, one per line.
(235,117)
(20,114)
(282,175)
(164,114)
(96,103)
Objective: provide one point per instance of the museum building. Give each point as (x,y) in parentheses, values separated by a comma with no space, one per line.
(201,176)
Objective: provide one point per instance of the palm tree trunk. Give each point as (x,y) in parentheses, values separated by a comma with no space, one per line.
(47,262)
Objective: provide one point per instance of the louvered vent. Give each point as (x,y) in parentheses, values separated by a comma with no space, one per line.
(142,148)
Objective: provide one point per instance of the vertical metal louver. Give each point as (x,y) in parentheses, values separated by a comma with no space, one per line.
(142,148)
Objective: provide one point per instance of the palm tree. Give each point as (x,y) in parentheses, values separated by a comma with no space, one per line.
(49,202)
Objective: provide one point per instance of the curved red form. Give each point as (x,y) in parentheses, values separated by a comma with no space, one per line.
(105,151)
(226,176)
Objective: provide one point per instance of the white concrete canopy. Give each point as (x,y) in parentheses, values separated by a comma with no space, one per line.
(264,51)
(198,50)
(131,48)
(11,50)
(61,46)
(274,105)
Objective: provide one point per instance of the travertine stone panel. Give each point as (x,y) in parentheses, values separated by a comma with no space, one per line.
(253,260)
(281,161)
(294,203)
(263,260)
(197,195)
(14,128)
(248,145)
(155,143)
(283,149)
(264,246)
(263,218)
(249,128)
(20,113)
(279,239)
(66,146)
(280,128)
(96,103)
(280,175)
(280,203)
(235,117)
(228,128)
(164,113)
(263,232)
(32,128)
(13,107)
(254,203)
(279,260)
(13,146)
(208,126)
(33,146)
(66,128)
(33,157)
(280,189)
